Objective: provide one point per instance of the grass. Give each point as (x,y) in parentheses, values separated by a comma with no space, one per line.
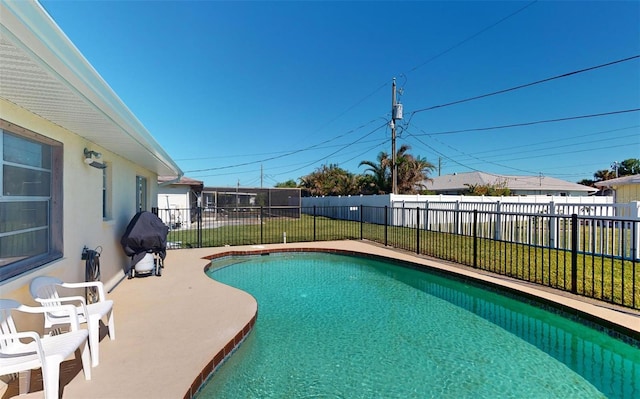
(605,278)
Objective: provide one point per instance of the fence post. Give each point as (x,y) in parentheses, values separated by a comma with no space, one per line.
(497,228)
(475,238)
(634,240)
(261,226)
(574,253)
(386,225)
(418,230)
(635,220)
(314,223)
(199,226)
(426,215)
(552,225)
(456,218)
(361,221)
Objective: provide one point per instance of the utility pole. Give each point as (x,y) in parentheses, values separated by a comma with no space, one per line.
(394,164)
(396,114)
(615,166)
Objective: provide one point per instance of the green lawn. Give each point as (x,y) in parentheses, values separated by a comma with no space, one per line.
(597,276)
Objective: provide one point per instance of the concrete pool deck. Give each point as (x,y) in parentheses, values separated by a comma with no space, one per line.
(172,330)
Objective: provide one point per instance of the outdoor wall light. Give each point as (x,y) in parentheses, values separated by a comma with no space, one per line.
(89,159)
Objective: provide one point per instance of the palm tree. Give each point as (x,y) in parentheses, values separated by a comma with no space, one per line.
(412,172)
(380,181)
(604,174)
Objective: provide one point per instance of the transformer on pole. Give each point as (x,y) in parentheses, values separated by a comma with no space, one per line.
(396,114)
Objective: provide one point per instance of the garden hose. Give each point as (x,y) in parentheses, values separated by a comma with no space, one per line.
(92,272)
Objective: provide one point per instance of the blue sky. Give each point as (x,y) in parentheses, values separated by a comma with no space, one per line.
(255,93)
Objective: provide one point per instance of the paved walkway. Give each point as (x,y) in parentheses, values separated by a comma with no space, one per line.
(169,329)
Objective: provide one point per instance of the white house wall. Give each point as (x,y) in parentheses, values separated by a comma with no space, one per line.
(83,224)
(175,206)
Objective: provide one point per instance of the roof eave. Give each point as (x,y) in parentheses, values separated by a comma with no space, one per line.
(29,28)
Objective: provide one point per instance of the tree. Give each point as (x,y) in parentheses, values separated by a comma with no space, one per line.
(604,174)
(330,180)
(413,172)
(287,184)
(499,189)
(379,179)
(629,167)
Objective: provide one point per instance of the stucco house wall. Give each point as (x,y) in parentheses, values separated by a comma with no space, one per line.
(83,224)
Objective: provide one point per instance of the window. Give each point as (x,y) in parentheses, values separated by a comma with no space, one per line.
(106,193)
(141,193)
(30,200)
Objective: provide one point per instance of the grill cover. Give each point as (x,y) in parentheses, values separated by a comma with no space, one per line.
(145,233)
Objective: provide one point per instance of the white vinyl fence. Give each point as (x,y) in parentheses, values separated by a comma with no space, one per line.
(604,227)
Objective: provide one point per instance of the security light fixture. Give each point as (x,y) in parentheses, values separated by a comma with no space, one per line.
(89,159)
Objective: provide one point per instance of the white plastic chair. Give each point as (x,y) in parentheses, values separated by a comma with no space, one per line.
(24,351)
(44,290)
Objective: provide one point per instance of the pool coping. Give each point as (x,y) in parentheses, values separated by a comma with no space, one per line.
(616,330)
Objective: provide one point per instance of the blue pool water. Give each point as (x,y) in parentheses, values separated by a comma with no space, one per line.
(333,326)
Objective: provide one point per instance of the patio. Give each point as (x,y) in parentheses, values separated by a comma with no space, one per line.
(171,330)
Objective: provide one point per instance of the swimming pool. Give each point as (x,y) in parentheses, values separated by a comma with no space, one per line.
(349,327)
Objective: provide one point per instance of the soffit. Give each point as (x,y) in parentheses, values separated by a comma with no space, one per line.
(44,73)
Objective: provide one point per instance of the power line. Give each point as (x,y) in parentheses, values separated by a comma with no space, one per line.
(530,123)
(572,145)
(291,152)
(284,154)
(473,36)
(564,75)
(582,136)
(335,152)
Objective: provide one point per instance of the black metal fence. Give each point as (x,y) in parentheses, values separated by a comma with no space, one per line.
(592,256)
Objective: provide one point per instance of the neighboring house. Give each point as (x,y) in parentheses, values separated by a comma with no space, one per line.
(459,183)
(178,200)
(56,195)
(625,189)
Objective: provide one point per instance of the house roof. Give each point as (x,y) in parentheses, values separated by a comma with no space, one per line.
(620,181)
(43,72)
(183,181)
(461,181)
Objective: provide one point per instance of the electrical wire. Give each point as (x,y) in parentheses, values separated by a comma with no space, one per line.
(335,152)
(531,123)
(473,36)
(288,153)
(582,136)
(304,164)
(564,75)
(382,86)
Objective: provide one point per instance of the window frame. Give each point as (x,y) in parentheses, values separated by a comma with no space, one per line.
(55,206)
(107,213)
(142,189)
